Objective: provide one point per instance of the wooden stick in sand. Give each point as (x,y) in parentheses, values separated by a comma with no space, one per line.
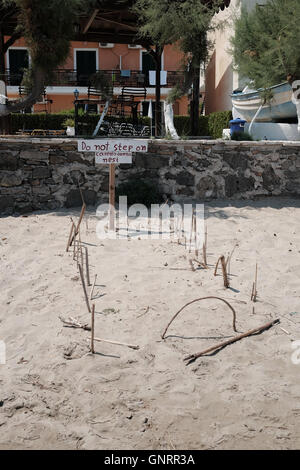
(93,287)
(192,230)
(93,329)
(204,249)
(196,238)
(192,357)
(217,265)
(228,261)
(70,236)
(197,300)
(74,244)
(224,270)
(72,323)
(254,287)
(79,222)
(84,287)
(80,217)
(87,267)
(118,343)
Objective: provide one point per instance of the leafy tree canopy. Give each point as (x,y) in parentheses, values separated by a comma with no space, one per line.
(47,27)
(265,46)
(185,22)
(182,21)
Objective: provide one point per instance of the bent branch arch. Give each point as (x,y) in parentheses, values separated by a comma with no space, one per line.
(198,300)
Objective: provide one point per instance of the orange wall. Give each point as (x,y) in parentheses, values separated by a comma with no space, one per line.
(109,59)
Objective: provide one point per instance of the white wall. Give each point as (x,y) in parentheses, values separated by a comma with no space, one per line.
(221,80)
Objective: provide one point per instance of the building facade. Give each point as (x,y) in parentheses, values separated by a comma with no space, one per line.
(123,65)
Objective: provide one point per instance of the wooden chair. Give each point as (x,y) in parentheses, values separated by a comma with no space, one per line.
(131,98)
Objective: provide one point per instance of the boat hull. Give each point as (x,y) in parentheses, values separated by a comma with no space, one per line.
(281,107)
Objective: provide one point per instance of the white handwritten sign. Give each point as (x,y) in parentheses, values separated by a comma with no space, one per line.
(109,158)
(113,145)
(113,151)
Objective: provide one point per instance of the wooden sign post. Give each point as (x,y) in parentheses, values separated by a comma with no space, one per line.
(112,195)
(113,152)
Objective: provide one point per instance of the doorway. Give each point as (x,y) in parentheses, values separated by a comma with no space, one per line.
(85,65)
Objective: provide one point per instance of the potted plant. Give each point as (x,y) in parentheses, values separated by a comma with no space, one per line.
(69,124)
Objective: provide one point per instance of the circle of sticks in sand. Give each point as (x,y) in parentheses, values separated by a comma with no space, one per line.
(80,253)
(198,300)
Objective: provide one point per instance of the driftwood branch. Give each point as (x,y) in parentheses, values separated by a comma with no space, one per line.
(197,300)
(118,343)
(72,323)
(193,357)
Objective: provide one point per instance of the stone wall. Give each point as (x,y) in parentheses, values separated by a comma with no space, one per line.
(45,174)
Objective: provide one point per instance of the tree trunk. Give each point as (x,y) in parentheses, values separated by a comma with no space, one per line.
(194,112)
(2,56)
(157,93)
(169,120)
(31,99)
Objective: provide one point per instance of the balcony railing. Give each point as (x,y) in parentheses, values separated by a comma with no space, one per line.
(116,78)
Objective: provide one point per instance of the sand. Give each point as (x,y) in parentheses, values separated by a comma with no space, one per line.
(55,395)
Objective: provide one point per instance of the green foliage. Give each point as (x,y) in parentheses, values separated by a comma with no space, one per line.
(184,22)
(48,27)
(166,22)
(38,121)
(69,122)
(217,122)
(139,191)
(241,136)
(211,125)
(266,43)
(101,83)
(183,126)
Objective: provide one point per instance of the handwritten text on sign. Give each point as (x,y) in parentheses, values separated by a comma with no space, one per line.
(113,150)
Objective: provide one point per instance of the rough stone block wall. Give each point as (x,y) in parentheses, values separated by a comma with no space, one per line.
(45,174)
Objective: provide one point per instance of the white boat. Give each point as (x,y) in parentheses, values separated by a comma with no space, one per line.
(279,109)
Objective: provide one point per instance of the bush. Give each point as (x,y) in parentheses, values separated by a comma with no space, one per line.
(211,125)
(241,136)
(38,121)
(182,125)
(139,192)
(217,122)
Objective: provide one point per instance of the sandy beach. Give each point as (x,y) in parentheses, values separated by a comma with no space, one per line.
(54,394)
